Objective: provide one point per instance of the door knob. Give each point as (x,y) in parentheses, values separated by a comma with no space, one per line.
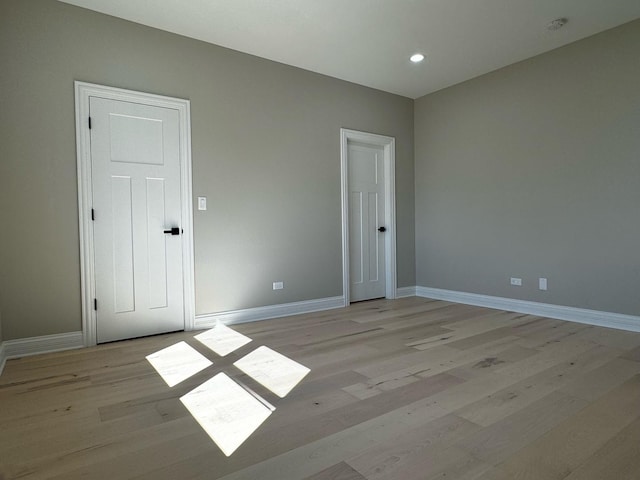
(173,231)
(382,229)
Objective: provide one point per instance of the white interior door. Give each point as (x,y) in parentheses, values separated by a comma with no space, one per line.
(366,221)
(135,164)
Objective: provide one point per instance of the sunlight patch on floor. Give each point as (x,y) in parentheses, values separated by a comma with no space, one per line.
(222,340)
(178,362)
(226,411)
(272,370)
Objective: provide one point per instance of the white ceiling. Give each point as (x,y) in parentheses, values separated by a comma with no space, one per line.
(369,41)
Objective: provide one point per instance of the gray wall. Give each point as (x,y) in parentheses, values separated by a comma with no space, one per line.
(265,141)
(534,171)
(1,337)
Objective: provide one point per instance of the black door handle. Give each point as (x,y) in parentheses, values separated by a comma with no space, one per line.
(382,229)
(173,231)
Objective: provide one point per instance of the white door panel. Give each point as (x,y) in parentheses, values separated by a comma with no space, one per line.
(156,244)
(122,245)
(136,196)
(366,215)
(356,269)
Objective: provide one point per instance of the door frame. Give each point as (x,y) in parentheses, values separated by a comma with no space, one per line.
(83,93)
(388,145)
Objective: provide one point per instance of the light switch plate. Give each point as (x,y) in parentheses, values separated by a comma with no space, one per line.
(202,203)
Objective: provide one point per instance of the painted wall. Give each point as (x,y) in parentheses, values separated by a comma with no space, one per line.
(1,337)
(534,171)
(2,352)
(265,141)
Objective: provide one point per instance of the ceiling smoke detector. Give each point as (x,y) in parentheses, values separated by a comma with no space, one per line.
(557,24)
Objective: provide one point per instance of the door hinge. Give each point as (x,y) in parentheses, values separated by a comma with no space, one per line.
(95,304)
(93,214)
(89,123)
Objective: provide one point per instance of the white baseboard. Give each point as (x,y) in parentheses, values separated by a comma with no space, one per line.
(3,357)
(572,314)
(264,313)
(404,292)
(24,347)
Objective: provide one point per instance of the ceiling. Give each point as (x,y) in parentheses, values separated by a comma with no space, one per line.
(369,41)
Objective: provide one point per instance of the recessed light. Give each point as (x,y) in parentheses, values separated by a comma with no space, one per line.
(416,57)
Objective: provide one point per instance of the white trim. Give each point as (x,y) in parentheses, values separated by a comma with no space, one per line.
(572,314)
(83,93)
(268,312)
(3,357)
(24,347)
(389,147)
(403,292)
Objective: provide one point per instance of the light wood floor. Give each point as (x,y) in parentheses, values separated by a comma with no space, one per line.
(404,389)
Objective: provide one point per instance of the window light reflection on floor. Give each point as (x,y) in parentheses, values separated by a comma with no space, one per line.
(178,362)
(222,339)
(272,370)
(226,411)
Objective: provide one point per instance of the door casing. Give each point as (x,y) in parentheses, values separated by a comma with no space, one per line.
(83,92)
(388,145)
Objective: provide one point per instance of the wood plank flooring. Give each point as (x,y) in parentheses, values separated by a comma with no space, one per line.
(404,389)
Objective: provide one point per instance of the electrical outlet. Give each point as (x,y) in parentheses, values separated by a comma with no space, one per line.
(517,282)
(278,285)
(542,283)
